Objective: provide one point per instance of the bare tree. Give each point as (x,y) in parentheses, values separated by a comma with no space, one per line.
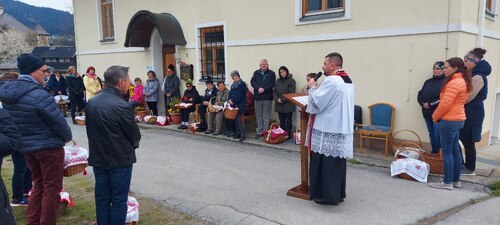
(32,38)
(13,44)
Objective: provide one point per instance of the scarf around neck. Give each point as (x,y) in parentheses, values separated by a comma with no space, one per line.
(93,76)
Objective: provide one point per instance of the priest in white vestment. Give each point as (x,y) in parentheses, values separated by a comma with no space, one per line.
(330,132)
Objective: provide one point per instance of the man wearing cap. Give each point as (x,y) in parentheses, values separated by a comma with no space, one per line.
(44,132)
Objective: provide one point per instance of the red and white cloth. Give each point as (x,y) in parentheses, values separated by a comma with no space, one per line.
(132,210)
(162,120)
(75,155)
(65,197)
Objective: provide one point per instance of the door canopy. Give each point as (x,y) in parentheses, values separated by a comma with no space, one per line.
(141,27)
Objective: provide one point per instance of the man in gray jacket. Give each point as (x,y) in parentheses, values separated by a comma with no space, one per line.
(44,132)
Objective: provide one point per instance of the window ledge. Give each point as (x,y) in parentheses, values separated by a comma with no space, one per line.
(321,18)
(108,41)
(491,16)
(215,80)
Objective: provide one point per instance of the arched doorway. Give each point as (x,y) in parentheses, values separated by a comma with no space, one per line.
(160,32)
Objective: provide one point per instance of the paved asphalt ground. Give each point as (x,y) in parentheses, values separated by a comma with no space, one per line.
(231,183)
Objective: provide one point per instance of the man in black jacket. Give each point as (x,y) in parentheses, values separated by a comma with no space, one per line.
(113,137)
(263,81)
(10,141)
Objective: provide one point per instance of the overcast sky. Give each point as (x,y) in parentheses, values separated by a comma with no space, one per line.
(64,5)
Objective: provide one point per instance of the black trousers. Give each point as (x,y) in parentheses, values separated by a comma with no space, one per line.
(185,114)
(230,126)
(240,131)
(153,106)
(76,103)
(202,109)
(327,178)
(286,122)
(470,155)
(6,214)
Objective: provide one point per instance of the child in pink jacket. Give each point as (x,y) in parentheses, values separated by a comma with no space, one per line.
(137,97)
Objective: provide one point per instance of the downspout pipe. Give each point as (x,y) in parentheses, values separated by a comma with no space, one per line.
(480,23)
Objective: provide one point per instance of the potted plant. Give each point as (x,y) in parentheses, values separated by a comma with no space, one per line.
(174,111)
(141,111)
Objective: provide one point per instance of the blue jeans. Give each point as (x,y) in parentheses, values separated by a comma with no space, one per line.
(433,135)
(111,193)
(21,178)
(449,131)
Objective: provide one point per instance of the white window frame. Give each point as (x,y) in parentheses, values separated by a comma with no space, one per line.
(197,29)
(99,23)
(493,13)
(298,14)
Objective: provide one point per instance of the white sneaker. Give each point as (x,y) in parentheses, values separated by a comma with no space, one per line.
(457,184)
(441,185)
(467,172)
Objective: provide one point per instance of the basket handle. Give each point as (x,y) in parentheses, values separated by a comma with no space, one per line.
(409,131)
(420,151)
(274,124)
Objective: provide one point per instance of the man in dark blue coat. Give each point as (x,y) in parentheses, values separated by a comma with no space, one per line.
(44,131)
(10,142)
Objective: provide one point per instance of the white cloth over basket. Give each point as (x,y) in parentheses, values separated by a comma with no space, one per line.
(413,167)
(63,97)
(75,155)
(82,118)
(132,210)
(402,151)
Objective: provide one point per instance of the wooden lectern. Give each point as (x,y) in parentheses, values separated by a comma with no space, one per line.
(301,191)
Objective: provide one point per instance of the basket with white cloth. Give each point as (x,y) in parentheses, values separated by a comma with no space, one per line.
(132,211)
(408,167)
(75,160)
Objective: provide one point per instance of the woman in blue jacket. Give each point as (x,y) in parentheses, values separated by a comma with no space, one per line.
(474,107)
(151,92)
(237,98)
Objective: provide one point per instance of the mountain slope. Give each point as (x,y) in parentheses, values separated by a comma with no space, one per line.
(56,22)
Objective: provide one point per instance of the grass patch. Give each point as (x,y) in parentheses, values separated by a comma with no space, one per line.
(354,161)
(81,189)
(495,188)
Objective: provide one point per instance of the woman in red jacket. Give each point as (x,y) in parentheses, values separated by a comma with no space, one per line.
(450,114)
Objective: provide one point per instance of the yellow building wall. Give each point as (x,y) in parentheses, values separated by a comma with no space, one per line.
(383,69)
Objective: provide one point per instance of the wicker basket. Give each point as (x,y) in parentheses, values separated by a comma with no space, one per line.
(76,169)
(152,118)
(396,144)
(231,114)
(435,162)
(210,107)
(277,139)
(141,114)
(80,122)
(408,146)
